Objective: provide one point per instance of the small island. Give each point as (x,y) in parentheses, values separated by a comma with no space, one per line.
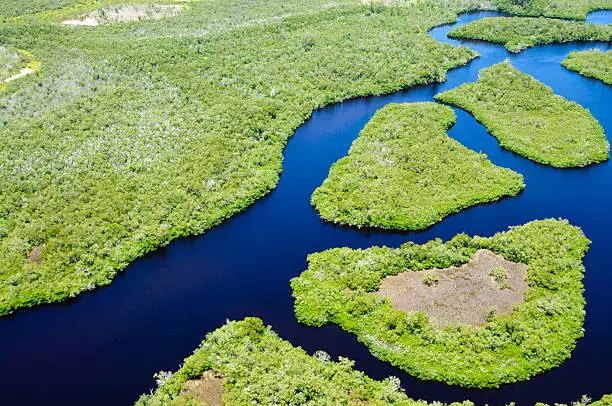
(520,33)
(591,64)
(405,173)
(474,311)
(246,363)
(527,118)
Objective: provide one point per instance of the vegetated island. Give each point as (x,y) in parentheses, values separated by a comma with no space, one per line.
(591,64)
(14,64)
(573,10)
(363,291)
(519,33)
(124,145)
(246,363)
(404,172)
(527,118)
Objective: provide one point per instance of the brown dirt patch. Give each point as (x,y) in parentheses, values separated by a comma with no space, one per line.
(208,388)
(35,256)
(463,294)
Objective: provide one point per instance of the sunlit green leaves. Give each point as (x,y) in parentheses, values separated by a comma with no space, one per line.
(526,117)
(404,172)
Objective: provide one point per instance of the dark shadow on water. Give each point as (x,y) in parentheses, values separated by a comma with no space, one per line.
(103,347)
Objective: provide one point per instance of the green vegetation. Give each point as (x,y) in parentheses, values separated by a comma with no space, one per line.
(570,9)
(12,8)
(404,172)
(136,134)
(11,62)
(519,33)
(340,284)
(500,275)
(15,63)
(44,9)
(261,368)
(606,400)
(592,64)
(526,117)
(431,279)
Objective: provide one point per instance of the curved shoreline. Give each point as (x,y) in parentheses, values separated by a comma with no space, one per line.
(144,309)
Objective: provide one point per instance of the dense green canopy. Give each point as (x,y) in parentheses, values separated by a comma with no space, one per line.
(526,117)
(518,33)
(592,64)
(261,368)
(404,172)
(134,134)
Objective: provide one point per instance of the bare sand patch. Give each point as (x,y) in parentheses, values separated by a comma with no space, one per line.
(35,256)
(209,388)
(461,294)
(23,72)
(87,21)
(125,13)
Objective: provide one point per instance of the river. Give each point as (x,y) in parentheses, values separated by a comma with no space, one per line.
(103,347)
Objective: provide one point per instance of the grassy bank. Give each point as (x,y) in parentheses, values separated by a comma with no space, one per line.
(340,287)
(591,64)
(518,33)
(526,117)
(404,172)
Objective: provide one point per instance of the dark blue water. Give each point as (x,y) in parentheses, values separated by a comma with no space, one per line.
(104,347)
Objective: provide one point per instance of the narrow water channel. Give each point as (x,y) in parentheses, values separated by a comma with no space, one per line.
(103,347)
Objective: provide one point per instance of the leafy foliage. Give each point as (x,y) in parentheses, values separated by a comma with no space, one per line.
(592,64)
(41,8)
(500,275)
(519,33)
(526,117)
(404,172)
(431,279)
(606,400)
(539,335)
(11,62)
(570,9)
(261,368)
(135,134)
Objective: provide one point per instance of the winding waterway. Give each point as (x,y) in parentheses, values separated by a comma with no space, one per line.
(103,347)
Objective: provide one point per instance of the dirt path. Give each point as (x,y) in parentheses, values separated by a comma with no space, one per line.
(23,72)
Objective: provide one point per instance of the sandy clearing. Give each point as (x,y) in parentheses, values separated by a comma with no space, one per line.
(88,21)
(209,388)
(23,72)
(463,294)
(35,256)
